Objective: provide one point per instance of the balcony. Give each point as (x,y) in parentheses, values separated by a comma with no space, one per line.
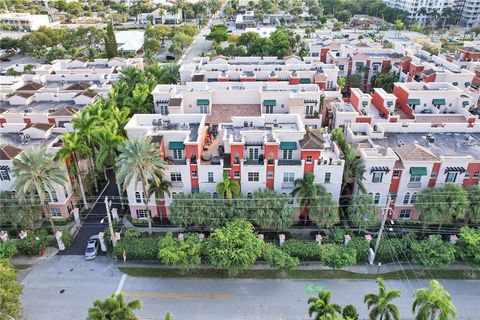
(254,162)
(289,162)
(212,153)
(171,161)
(177,184)
(288,185)
(414,185)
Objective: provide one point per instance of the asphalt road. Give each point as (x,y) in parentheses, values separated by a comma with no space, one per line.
(192,299)
(91,225)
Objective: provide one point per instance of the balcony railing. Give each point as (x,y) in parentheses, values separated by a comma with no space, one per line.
(289,162)
(288,185)
(177,184)
(253,162)
(414,185)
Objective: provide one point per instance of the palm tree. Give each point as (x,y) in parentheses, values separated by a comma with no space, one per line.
(353,171)
(36,172)
(108,142)
(170,74)
(228,188)
(305,191)
(132,75)
(321,306)
(362,212)
(114,308)
(380,304)
(341,82)
(72,147)
(140,161)
(422,12)
(433,303)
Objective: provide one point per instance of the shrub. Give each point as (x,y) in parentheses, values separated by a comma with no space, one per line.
(432,252)
(303,250)
(32,244)
(337,256)
(361,246)
(337,235)
(278,258)
(132,233)
(391,250)
(67,237)
(185,254)
(8,249)
(137,249)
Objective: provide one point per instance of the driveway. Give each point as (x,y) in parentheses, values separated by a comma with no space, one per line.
(91,225)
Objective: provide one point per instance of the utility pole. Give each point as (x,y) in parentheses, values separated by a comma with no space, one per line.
(382,226)
(108,205)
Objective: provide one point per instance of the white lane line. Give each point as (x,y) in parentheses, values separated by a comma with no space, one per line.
(120,285)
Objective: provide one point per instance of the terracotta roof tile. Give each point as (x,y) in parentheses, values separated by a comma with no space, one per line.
(39,126)
(31,86)
(223,113)
(8,152)
(313,139)
(416,152)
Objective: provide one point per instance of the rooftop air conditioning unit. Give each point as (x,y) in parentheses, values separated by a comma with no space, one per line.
(51,110)
(28,110)
(154,122)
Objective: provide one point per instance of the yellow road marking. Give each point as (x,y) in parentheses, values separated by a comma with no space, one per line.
(171,295)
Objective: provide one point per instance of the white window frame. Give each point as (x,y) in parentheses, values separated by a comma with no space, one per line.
(210,176)
(194,174)
(405,214)
(288,176)
(377,177)
(328,177)
(236,174)
(55,213)
(4,175)
(177,154)
(415,178)
(142,213)
(309,159)
(253,153)
(376,198)
(451,177)
(253,176)
(287,154)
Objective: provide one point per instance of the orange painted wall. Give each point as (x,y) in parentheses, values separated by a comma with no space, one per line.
(378,102)
(323,54)
(236,167)
(435,168)
(273,149)
(308,168)
(354,100)
(472,168)
(402,100)
(294,80)
(395,182)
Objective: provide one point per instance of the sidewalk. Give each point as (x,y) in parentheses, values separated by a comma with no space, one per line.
(359,268)
(32,260)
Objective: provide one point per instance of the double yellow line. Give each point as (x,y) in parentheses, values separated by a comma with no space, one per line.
(171,295)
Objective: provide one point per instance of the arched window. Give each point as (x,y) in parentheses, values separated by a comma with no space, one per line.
(174,194)
(249,195)
(215,195)
(406,198)
(54,196)
(414,198)
(376,199)
(138,197)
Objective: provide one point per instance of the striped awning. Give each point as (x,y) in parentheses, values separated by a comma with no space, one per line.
(455,169)
(379,169)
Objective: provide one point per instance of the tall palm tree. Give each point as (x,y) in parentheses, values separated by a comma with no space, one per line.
(353,171)
(72,147)
(36,172)
(140,161)
(322,307)
(228,188)
(422,12)
(380,304)
(114,308)
(433,303)
(305,191)
(170,73)
(132,75)
(108,144)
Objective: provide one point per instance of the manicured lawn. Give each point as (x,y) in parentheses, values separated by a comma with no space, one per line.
(296,274)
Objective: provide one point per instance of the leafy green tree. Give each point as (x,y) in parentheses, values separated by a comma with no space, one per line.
(228,188)
(341,82)
(432,252)
(386,81)
(109,142)
(271,210)
(140,162)
(110,42)
(350,312)
(323,208)
(168,316)
(185,254)
(114,308)
(234,247)
(343,16)
(353,171)
(469,246)
(337,256)
(355,81)
(36,173)
(281,43)
(399,26)
(362,212)
(248,38)
(433,303)
(321,306)
(8,249)
(380,305)
(10,290)
(218,33)
(473,212)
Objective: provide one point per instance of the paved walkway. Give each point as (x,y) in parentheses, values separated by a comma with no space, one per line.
(91,225)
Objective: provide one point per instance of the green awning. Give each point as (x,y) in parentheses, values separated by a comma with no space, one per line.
(467,84)
(359,64)
(438,102)
(269,102)
(176,145)
(418,171)
(466,103)
(304,80)
(212,80)
(415,102)
(389,103)
(203,102)
(288,146)
(364,103)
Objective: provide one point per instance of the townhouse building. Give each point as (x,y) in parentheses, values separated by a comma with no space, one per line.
(291,69)
(25,22)
(61,199)
(238,98)
(160,16)
(54,93)
(257,150)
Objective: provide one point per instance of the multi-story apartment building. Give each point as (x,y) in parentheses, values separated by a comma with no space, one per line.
(413,7)
(25,21)
(291,69)
(223,99)
(257,150)
(61,200)
(470,13)
(160,16)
